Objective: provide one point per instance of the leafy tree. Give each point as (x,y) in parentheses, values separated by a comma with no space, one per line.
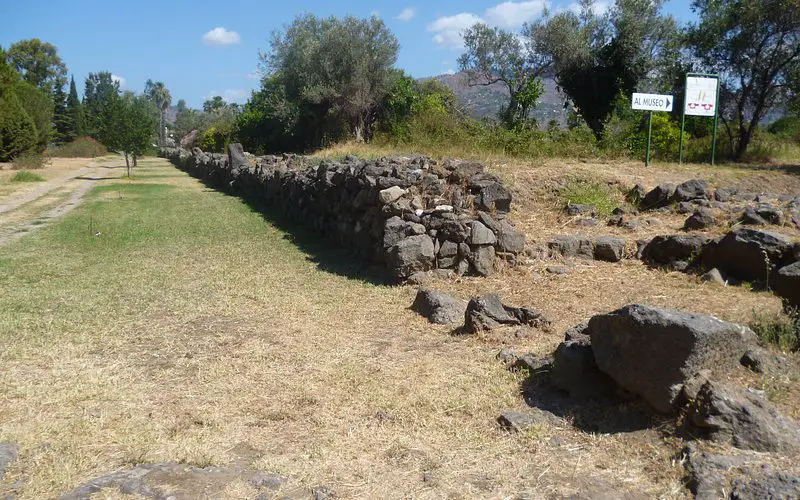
(755,47)
(214,103)
(268,121)
(76,126)
(97,95)
(597,58)
(158,93)
(128,126)
(61,119)
(8,74)
(17,130)
(39,64)
(335,71)
(494,55)
(39,107)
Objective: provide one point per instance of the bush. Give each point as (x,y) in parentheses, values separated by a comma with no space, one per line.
(17,131)
(82,147)
(26,176)
(782,330)
(29,161)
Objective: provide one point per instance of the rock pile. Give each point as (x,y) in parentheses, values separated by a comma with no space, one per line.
(411,213)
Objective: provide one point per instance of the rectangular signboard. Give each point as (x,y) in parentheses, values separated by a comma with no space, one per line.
(651,102)
(701,96)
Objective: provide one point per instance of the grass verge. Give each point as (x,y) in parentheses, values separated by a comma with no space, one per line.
(26,176)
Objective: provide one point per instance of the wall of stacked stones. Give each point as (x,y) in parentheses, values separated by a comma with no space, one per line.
(410,213)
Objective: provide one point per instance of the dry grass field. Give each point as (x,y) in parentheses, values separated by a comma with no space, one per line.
(164,321)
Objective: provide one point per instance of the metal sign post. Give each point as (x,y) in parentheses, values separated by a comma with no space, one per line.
(701,98)
(650,103)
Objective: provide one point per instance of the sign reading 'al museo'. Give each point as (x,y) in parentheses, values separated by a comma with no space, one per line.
(651,102)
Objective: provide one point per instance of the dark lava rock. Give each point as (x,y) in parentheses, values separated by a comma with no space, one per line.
(520,421)
(652,352)
(573,246)
(787,284)
(741,418)
(482,259)
(412,254)
(578,209)
(438,307)
(486,312)
(609,249)
(576,372)
(702,218)
(694,189)
(660,196)
(668,249)
(749,254)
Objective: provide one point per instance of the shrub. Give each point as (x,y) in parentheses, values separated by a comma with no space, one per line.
(26,176)
(29,161)
(782,330)
(590,193)
(17,130)
(82,147)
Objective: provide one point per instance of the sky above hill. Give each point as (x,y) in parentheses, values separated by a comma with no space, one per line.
(201,49)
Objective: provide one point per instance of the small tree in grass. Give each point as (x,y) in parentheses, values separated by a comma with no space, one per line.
(128,126)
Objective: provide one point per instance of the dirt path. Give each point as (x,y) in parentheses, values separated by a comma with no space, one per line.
(19,217)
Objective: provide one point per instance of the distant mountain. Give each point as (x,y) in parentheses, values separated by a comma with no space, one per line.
(487,101)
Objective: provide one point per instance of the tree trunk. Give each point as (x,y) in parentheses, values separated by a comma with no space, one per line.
(358,129)
(135,164)
(128,165)
(745,135)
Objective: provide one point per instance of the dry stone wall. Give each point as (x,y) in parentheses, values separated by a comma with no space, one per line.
(410,213)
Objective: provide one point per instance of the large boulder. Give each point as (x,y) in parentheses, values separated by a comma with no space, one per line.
(702,218)
(694,189)
(412,254)
(675,250)
(749,254)
(658,197)
(652,352)
(742,418)
(438,307)
(787,284)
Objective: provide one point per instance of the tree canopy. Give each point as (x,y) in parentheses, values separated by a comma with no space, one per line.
(39,64)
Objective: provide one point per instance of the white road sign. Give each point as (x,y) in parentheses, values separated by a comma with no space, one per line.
(701,96)
(651,102)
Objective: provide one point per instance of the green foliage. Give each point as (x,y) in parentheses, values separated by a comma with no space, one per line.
(61,119)
(214,140)
(753,45)
(787,127)
(82,147)
(158,93)
(98,94)
(76,123)
(39,107)
(30,160)
(26,176)
(39,64)
(335,72)
(17,131)
(597,58)
(267,122)
(494,55)
(584,192)
(782,330)
(213,104)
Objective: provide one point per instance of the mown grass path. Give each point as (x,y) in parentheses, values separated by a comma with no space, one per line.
(191,324)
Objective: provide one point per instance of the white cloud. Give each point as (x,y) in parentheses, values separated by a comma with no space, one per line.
(510,15)
(119,80)
(221,36)
(254,75)
(514,14)
(450,71)
(447,30)
(375,13)
(229,95)
(406,14)
(598,8)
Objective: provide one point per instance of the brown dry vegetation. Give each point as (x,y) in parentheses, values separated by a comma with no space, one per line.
(192,325)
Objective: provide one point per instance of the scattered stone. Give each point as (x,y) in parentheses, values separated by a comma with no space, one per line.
(636,194)
(742,418)
(694,189)
(685,207)
(579,333)
(575,371)
(486,312)
(609,249)
(748,254)
(787,284)
(742,477)
(702,218)
(438,307)
(8,454)
(713,276)
(321,493)
(573,246)
(519,421)
(558,269)
(586,222)
(762,361)
(660,196)
(671,249)
(581,210)
(262,480)
(651,352)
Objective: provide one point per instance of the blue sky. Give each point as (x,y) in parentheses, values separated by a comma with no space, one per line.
(200,48)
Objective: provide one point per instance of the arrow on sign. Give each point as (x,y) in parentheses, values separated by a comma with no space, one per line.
(651,102)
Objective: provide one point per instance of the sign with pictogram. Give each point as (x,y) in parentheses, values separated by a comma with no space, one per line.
(701,96)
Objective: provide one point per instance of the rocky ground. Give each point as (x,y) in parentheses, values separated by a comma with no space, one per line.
(228,363)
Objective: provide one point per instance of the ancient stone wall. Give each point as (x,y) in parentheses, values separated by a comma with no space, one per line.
(410,213)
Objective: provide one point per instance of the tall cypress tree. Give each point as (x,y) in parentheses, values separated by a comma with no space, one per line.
(62,125)
(75,112)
